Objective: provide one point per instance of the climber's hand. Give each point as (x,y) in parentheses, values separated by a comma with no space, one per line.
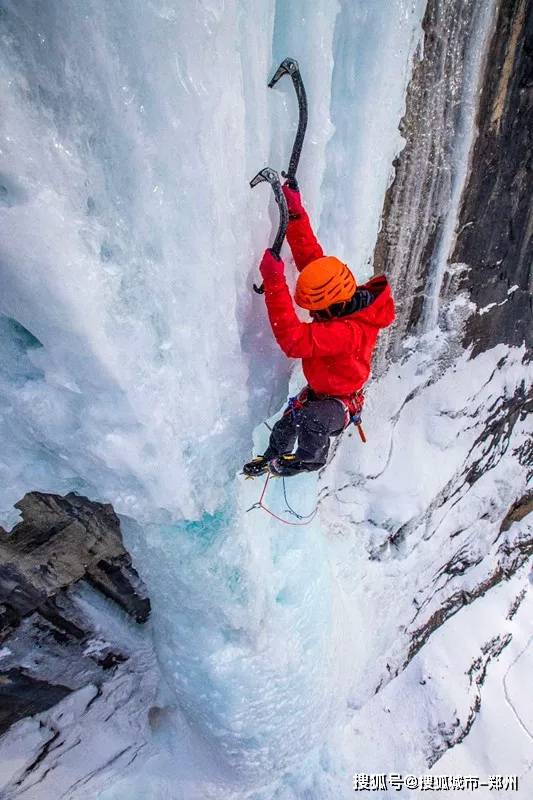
(294,201)
(271,265)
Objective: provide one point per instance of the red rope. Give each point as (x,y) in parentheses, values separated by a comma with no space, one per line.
(260,504)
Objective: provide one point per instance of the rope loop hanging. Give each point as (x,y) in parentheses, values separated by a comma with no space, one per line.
(303,519)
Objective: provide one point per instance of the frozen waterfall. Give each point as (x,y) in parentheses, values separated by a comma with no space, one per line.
(137,366)
(130,236)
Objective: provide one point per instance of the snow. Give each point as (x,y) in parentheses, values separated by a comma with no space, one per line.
(504,726)
(488,307)
(93,732)
(135,363)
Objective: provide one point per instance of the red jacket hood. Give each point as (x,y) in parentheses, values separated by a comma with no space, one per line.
(380,313)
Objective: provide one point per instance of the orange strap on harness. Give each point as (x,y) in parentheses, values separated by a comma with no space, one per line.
(361,432)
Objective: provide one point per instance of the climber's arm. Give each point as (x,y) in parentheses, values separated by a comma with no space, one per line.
(302,240)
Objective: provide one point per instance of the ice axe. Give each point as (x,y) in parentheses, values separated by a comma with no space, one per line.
(271,176)
(289,66)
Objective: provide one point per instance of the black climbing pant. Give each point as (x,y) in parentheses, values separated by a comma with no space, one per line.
(312,425)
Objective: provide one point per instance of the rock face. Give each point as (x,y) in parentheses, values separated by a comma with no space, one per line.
(458,216)
(457,224)
(496,218)
(49,645)
(419,202)
(456,242)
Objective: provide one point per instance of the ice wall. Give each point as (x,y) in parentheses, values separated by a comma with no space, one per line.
(130,235)
(374,45)
(125,164)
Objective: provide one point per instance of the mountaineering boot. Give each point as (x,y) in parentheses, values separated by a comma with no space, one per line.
(257,466)
(287,465)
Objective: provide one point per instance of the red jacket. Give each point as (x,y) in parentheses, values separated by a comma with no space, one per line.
(336,354)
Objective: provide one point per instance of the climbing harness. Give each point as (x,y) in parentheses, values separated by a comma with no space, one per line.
(296,403)
(353,406)
(303,519)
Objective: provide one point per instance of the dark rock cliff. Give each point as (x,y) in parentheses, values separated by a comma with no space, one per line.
(496,216)
(457,225)
(49,645)
(443,231)
(484,224)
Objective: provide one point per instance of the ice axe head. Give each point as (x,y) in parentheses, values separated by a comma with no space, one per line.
(287,67)
(266,174)
(270,176)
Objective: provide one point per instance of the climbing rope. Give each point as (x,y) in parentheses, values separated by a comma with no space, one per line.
(303,519)
(291,510)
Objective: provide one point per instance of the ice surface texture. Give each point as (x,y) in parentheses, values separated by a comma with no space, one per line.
(130,235)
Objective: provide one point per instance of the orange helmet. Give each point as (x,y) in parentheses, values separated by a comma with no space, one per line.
(324,282)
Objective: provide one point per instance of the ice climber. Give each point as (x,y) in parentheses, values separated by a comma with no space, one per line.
(336,347)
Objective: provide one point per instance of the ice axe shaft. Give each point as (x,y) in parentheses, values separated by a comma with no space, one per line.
(271,176)
(289,66)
